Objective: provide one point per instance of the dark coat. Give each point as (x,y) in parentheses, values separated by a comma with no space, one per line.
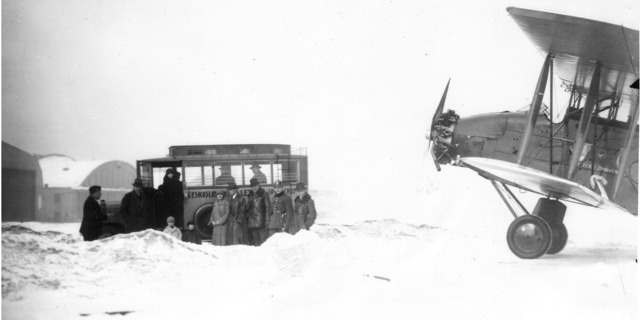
(137,210)
(171,202)
(237,229)
(92,217)
(281,210)
(304,214)
(191,236)
(259,203)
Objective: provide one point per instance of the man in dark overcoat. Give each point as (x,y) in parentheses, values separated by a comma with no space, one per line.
(304,211)
(280,211)
(237,226)
(137,208)
(92,215)
(258,205)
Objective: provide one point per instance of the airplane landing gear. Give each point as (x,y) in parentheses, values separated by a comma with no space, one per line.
(560,235)
(552,211)
(532,235)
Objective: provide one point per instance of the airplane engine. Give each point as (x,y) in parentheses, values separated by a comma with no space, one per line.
(444,152)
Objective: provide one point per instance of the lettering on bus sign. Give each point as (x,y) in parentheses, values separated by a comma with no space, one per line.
(211,193)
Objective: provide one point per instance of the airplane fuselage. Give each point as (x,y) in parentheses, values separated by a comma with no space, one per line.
(497,136)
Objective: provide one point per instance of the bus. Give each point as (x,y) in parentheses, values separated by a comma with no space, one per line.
(206,170)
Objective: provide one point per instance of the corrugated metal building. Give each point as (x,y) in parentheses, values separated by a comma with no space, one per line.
(67,181)
(21,185)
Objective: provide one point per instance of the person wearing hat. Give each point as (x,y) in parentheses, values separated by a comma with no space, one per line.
(92,215)
(281,210)
(258,204)
(225,176)
(171,228)
(219,218)
(304,210)
(171,199)
(237,229)
(136,208)
(257,174)
(191,234)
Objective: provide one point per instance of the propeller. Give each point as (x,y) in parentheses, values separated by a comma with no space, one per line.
(433,123)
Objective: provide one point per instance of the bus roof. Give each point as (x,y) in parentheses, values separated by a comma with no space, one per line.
(229,151)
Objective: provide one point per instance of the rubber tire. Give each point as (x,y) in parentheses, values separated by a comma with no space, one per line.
(560,235)
(542,235)
(201,220)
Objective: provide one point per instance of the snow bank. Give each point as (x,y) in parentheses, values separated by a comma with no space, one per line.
(445,259)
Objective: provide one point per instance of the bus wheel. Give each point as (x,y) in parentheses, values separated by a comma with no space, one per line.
(201,220)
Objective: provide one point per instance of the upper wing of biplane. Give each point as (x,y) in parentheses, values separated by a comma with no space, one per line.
(600,60)
(537,181)
(577,44)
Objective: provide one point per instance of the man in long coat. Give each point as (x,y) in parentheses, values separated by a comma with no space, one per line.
(92,215)
(281,210)
(259,204)
(237,228)
(304,211)
(137,208)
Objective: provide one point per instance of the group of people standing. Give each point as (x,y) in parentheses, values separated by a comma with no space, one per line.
(235,218)
(147,207)
(140,209)
(238,219)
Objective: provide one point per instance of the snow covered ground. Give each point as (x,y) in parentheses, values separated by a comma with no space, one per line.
(434,251)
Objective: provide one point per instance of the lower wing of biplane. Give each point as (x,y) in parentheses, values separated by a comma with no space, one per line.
(533,234)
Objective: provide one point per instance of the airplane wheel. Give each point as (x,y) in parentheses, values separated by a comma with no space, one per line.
(560,236)
(529,237)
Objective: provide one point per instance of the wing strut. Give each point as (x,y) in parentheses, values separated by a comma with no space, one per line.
(534,110)
(504,198)
(625,155)
(585,121)
(551,119)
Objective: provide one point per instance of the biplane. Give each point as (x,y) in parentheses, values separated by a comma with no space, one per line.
(589,157)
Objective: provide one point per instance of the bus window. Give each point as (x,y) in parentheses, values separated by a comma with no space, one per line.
(286,171)
(160,172)
(198,176)
(225,172)
(260,170)
(145,173)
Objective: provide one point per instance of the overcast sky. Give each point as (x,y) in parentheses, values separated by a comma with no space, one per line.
(353,81)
